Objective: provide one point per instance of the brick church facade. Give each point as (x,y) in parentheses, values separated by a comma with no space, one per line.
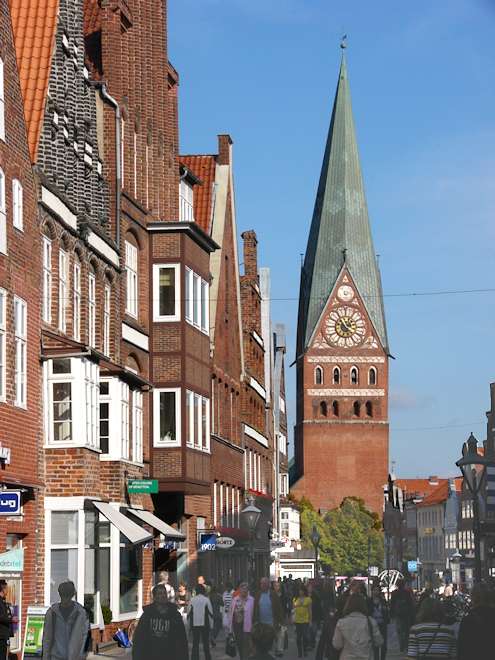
(341,433)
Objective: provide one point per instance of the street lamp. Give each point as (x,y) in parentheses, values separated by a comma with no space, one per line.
(315,540)
(472,466)
(251,515)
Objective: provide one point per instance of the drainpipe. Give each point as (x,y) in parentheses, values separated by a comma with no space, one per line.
(118,153)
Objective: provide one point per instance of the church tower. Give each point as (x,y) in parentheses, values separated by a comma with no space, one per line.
(341,434)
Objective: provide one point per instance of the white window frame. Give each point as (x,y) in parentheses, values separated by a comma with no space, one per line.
(92,309)
(156,294)
(124,420)
(132,279)
(2,101)
(3,214)
(76,300)
(197,301)
(17,205)
(137,426)
(189,279)
(194,408)
(20,335)
(157,441)
(107,301)
(3,332)
(205,307)
(63,289)
(186,201)
(47,280)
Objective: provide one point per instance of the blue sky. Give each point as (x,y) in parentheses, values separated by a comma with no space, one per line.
(421,78)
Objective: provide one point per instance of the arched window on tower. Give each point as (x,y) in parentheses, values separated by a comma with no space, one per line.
(357,408)
(354,376)
(369,409)
(318,376)
(323,409)
(335,408)
(372,379)
(336,376)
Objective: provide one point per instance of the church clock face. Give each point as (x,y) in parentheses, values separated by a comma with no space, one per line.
(345,327)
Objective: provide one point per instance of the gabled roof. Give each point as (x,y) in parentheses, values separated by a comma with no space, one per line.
(340,229)
(34,23)
(203,166)
(419,488)
(437,496)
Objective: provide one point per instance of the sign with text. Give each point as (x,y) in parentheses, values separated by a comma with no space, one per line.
(12,561)
(33,638)
(225,542)
(10,503)
(142,485)
(207,541)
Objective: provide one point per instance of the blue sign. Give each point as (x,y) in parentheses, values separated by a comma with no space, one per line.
(412,566)
(207,542)
(10,503)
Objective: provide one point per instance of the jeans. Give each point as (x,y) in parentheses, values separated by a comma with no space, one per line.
(302,638)
(381,652)
(203,633)
(403,627)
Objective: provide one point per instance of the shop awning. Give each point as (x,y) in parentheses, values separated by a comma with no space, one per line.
(134,533)
(149,518)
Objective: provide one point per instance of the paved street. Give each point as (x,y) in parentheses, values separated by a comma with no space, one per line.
(219,652)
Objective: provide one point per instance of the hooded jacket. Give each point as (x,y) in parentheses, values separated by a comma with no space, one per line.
(160,635)
(352,635)
(65,639)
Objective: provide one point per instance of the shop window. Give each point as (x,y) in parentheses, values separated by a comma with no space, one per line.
(166,292)
(130,575)
(63,550)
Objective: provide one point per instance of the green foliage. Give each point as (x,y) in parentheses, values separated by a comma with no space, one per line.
(345,533)
(107,615)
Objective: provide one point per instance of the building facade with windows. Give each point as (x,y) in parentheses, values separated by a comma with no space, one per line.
(21,481)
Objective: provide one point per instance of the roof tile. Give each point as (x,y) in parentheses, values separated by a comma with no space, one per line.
(204,168)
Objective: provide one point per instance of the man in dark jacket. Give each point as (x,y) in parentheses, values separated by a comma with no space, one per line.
(403,610)
(477,631)
(5,621)
(160,633)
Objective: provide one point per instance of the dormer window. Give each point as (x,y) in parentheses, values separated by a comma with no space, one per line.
(186,201)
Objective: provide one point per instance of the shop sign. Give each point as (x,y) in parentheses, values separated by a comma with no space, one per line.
(142,485)
(207,542)
(10,502)
(33,638)
(412,566)
(12,561)
(225,542)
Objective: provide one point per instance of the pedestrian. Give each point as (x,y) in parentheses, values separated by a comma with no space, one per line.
(66,627)
(201,582)
(302,620)
(379,611)
(325,649)
(429,638)
(327,597)
(263,637)
(182,600)
(402,609)
(216,601)
(477,630)
(163,579)
(227,596)
(160,633)
(6,621)
(241,620)
(316,613)
(356,634)
(280,635)
(201,614)
(267,606)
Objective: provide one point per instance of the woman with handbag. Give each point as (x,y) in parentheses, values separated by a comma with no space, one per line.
(356,634)
(429,638)
(241,620)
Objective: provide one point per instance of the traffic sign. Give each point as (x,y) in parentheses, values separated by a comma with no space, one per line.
(142,485)
(10,503)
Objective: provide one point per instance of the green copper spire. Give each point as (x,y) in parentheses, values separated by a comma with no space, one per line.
(340,229)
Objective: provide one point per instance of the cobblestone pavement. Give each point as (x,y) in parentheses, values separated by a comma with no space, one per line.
(218,653)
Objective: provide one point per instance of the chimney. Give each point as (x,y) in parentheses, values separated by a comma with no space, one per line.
(224,149)
(433,481)
(250,253)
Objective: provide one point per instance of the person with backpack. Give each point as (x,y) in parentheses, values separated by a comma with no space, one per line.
(402,610)
(160,633)
(430,638)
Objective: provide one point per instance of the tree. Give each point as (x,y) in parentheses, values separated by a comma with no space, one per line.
(345,534)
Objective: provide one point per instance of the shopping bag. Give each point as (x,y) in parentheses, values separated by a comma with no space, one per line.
(230,646)
(122,639)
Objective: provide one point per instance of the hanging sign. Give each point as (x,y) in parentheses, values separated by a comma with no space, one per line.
(10,502)
(12,561)
(207,541)
(33,638)
(225,542)
(142,485)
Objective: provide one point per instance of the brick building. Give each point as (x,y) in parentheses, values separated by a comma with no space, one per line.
(20,375)
(342,347)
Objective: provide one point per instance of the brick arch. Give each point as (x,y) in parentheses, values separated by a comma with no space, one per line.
(49,228)
(132,236)
(133,362)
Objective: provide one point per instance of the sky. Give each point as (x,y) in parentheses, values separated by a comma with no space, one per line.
(422,82)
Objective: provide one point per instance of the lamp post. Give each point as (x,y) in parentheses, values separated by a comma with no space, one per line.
(251,514)
(473,466)
(315,540)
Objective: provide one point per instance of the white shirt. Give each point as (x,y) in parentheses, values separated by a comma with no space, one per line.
(199,605)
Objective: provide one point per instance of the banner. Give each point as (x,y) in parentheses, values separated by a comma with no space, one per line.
(12,561)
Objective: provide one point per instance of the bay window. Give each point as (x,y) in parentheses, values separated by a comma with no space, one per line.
(120,420)
(166,417)
(137,426)
(197,301)
(166,292)
(197,421)
(20,334)
(124,420)
(130,576)
(104,424)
